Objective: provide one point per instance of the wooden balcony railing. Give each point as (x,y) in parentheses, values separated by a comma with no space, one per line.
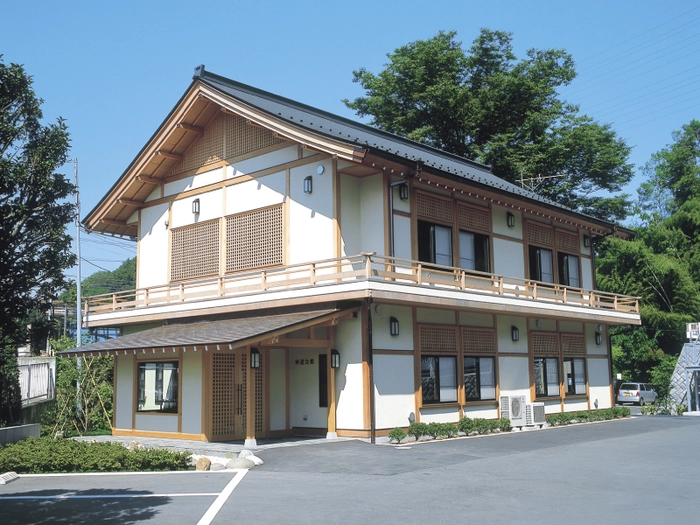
(364,267)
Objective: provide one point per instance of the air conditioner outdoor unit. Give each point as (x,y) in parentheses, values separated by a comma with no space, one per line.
(534,415)
(516,410)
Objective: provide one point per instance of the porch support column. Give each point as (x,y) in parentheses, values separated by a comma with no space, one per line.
(250,441)
(332,433)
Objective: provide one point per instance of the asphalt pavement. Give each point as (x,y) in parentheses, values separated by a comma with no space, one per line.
(639,470)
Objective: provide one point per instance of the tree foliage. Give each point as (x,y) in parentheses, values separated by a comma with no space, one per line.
(486,105)
(661,264)
(123,278)
(35,245)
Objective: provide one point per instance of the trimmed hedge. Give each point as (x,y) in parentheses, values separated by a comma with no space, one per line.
(483,426)
(583,416)
(43,455)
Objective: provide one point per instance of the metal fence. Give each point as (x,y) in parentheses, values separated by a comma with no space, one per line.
(37,379)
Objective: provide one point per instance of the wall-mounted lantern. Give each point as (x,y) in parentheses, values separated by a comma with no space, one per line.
(510,220)
(514,333)
(586,241)
(598,338)
(403,192)
(195,206)
(335,358)
(394,326)
(254,358)
(308,184)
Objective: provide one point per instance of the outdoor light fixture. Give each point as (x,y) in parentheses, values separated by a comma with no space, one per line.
(537,323)
(308,184)
(254,358)
(514,333)
(394,326)
(403,192)
(586,241)
(510,220)
(195,206)
(598,338)
(335,358)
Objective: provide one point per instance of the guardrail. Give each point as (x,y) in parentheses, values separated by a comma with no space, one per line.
(367,267)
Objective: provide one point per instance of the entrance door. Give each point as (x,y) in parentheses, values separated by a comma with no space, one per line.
(228,395)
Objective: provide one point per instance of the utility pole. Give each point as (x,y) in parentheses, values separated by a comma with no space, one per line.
(78,313)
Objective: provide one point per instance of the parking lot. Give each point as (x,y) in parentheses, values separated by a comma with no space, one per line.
(640,469)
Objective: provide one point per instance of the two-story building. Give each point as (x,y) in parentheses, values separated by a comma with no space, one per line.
(301,273)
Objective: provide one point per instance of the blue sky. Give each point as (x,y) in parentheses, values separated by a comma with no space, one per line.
(114,70)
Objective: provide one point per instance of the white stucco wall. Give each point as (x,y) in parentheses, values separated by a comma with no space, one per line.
(157,423)
(349,391)
(394,392)
(381,336)
(372,214)
(278,389)
(153,247)
(305,409)
(124,365)
(476,319)
(311,215)
(402,237)
(210,207)
(435,316)
(440,414)
(514,376)
(599,381)
(500,224)
(505,338)
(481,411)
(350,205)
(191,396)
(591,347)
(586,274)
(508,258)
(255,194)
(194,181)
(261,162)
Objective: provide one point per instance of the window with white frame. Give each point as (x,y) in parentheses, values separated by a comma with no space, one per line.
(439,379)
(546,376)
(158,387)
(479,378)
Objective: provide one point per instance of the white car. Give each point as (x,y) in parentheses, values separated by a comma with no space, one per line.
(639,393)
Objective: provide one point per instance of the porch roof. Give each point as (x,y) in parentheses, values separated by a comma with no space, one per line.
(219,335)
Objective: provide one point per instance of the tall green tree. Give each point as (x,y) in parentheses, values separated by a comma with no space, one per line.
(662,263)
(484,104)
(123,278)
(35,246)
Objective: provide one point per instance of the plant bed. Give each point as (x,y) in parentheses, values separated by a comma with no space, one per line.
(586,416)
(45,455)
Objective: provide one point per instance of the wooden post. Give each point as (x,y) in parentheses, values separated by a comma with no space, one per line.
(250,441)
(332,431)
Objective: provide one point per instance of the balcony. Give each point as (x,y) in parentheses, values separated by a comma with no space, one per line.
(319,277)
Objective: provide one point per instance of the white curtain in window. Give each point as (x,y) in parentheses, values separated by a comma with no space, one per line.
(448,379)
(443,245)
(580,375)
(487,377)
(546,266)
(467,259)
(552,377)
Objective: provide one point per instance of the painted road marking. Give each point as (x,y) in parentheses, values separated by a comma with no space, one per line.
(111,496)
(219,502)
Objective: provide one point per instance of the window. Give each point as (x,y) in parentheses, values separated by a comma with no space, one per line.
(546,376)
(158,387)
(323,380)
(474,251)
(434,243)
(568,270)
(575,376)
(541,267)
(438,379)
(479,378)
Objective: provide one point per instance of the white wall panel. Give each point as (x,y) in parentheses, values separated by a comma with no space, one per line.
(381,336)
(261,162)
(599,382)
(446,414)
(210,207)
(514,376)
(195,181)
(304,406)
(500,224)
(257,193)
(156,423)
(153,247)
(394,390)
(508,258)
(278,390)
(124,365)
(348,340)
(505,338)
(350,206)
(402,237)
(480,411)
(372,214)
(191,396)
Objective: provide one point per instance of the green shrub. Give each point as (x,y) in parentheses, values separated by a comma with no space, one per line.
(465,425)
(434,430)
(396,434)
(581,416)
(417,430)
(41,455)
(504,424)
(448,430)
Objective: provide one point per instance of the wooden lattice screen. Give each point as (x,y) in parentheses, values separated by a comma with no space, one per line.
(207,149)
(194,251)
(242,138)
(244,391)
(254,239)
(473,218)
(545,343)
(259,398)
(539,234)
(478,340)
(438,338)
(433,207)
(567,241)
(223,394)
(573,344)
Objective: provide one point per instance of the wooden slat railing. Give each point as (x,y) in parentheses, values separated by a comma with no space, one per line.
(365,266)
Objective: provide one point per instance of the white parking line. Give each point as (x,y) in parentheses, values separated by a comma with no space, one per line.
(111,496)
(219,502)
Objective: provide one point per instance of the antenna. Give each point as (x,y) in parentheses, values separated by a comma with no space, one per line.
(533,183)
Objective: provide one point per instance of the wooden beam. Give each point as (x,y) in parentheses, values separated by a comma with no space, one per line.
(135,204)
(149,180)
(168,155)
(112,222)
(189,127)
